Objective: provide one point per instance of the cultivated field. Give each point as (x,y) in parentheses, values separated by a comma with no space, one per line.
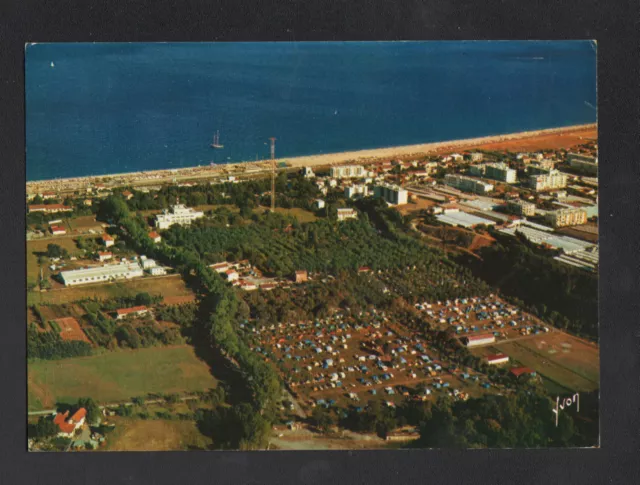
(155,435)
(117,376)
(171,287)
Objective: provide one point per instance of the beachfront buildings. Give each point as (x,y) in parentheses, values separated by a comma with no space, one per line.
(583,163)
(347,171)
(356,191)
(344,214)
(467,184)
(553,180)
(392,194)
(100,274)
(476,157)
(178,214)
(521,207)
(567,217)
(543,166)
(497,171)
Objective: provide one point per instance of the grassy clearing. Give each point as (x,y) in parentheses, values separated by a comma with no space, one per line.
(171,287)
(117,376)
(300,214)
(133,434)
(38,246)
(579,372)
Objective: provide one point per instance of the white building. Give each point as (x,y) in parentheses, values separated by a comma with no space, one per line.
(498,171)
(475,340)
(393,194)
(178,214)
(157,271)
(319,204)
(99,274)
(497,359)
(107,240)
(356,191)
(148,263)
(104,256)
(553,180)
(467,184)
(307,172)
(347,171)
(477,157)
(344,214)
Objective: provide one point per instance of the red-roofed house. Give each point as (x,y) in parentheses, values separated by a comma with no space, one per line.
(247,285)
(301,276)
(518,371)
(268,286)
(474,340)
(155,237)
(364,269)
(232,275)
(107,240)
(70,425)
(48,195)
(136,310)
(220,267)
(104,255)
(58,230)
(127,195)
(496,359)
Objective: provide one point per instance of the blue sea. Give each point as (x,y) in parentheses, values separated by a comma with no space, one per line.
(108,108)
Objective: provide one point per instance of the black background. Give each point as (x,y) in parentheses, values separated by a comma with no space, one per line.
(614,25)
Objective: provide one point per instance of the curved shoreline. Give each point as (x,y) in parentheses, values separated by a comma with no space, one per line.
(357,156)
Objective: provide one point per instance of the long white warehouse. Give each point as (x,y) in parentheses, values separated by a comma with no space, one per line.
(99,274)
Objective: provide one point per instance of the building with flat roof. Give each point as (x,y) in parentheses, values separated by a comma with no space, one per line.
(497,171)
(553,180)
(454,217)
(101,274)
(344,214)
(392,194)
(567,217)
(347,171)
(356,191)
(476,157)
(583,163)
(467,184)
(178,214)
(521,207)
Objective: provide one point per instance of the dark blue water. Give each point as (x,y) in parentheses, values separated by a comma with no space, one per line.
(111,108)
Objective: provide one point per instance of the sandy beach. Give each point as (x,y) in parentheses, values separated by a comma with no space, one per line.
(552,138)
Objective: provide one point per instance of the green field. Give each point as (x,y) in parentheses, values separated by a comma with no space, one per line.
(169,287)
(575,368)
(117,376)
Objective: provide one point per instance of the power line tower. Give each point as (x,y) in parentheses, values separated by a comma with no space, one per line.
(273,174)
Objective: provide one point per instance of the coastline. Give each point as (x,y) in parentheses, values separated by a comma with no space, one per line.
(154,177)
